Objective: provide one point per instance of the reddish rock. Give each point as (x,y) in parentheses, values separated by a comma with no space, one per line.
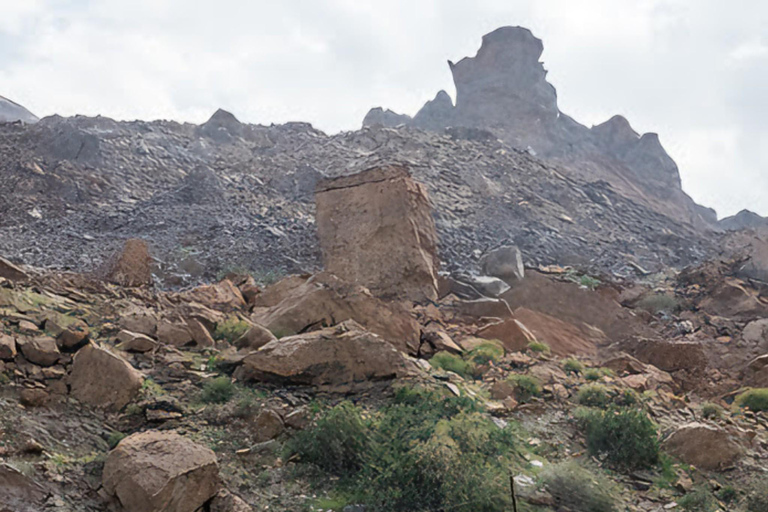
(34,397)
(255,338)
(510,332)
(672,356)
(7,347)
(222,296)
(376,230)
(19,493)
(41,351)
(704,446)
(135,342)
(133,266)
(12,272)
(103,379)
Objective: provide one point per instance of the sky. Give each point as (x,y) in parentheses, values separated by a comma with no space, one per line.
(693,71)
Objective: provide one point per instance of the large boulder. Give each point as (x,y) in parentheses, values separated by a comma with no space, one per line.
(672,356)
(41,350)
(298,304)
(345,356)
(506,263)
(160,472)
(19,493)
(704,446)
(376,230)
(103,379)
(222,296)
(133,266)
(7,347)
(12,272)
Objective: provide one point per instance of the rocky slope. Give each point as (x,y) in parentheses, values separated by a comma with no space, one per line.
(504,89)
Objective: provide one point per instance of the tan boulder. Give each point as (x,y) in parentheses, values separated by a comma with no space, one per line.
(510,332)
(160,472)
(19,493)
(135,342)
(471,310)
(222,296)
(756,372)
(672,356)
(102,379)
(324,300)
(173,333)
(704,446)
(255,338)
(7,347)
(225,501)
(138,320)
(342,356)
(376,230)
(199,333)
(563,338)
(34,397)
(41,350)
(132,267)
(12,272)
(267,425)
(755,334)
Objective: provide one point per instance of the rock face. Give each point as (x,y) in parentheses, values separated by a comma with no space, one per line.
(376,230)
(102,379)
(745,219)
(133,266)
(672,356)
(19,493)
(346,356)
(11,112)
(704,446)
(160,472)
(504,89)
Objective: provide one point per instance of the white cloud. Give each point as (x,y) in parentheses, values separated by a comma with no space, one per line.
(692,70)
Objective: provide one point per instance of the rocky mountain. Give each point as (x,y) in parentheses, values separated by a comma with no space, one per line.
(504,89)
(11,112)
(745,219)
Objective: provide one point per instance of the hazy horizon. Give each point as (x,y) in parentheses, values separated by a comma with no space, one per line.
(693,72)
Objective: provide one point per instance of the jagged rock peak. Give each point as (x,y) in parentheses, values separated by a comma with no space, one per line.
(745,219)
(379,117)
(11,112)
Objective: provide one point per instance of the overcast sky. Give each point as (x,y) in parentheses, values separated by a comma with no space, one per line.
(695,71)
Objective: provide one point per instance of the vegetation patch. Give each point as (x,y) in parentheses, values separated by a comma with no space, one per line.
(538,347)
(711,411)
(453,363)
(593,395)
(572,365)
(422,451)
(231,329)
(659,303)
(626,438)
(217,391)
(486,352)
(699,500)
(578,489)
(755,400)
(526,387)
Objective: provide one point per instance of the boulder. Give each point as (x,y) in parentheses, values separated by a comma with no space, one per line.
(132,267)
(34,397)
(19,493)
(510,332)
(475,287)
(376,230)
(345,356)
(506,263)
(160,472)
(563,338)
(267,425)
(225,501)
(255,338)
(7,347)
(301,304)
(172,333)
(102,379)
(135,342)
(69,332)
(755,334)
(672,356)
(41,350)
(200,335)
(12,272)
(704,446)
(222,296)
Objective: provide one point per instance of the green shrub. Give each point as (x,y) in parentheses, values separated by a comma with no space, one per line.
(486,352)
(577,489)
(592,374)
(593,395)
(338,443)
(231,329)
(757,498)
(657,303)
(423,451)
(727,494)
(526,387)
(538,347)
(627,438)
(755,400)
(114,438)
(697,501)
(711,411)
(627,398)
(452,363)
(572,365)
(217,391)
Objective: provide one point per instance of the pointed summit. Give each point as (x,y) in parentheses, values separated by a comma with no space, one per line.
(11,112)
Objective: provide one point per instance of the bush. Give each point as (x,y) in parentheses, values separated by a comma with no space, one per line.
(114,438)
(338,442)
(572,365)
(422,451)
(217,391)
(755,400)
(711,411)
(526,387)
(486,352)
(728,494)
(452,363)
(577,489)
(658,303)
(593,395)
(627,438)
(627,398)
(757,498)
(231,329)
(538,347)
(592,374)
(697,501)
